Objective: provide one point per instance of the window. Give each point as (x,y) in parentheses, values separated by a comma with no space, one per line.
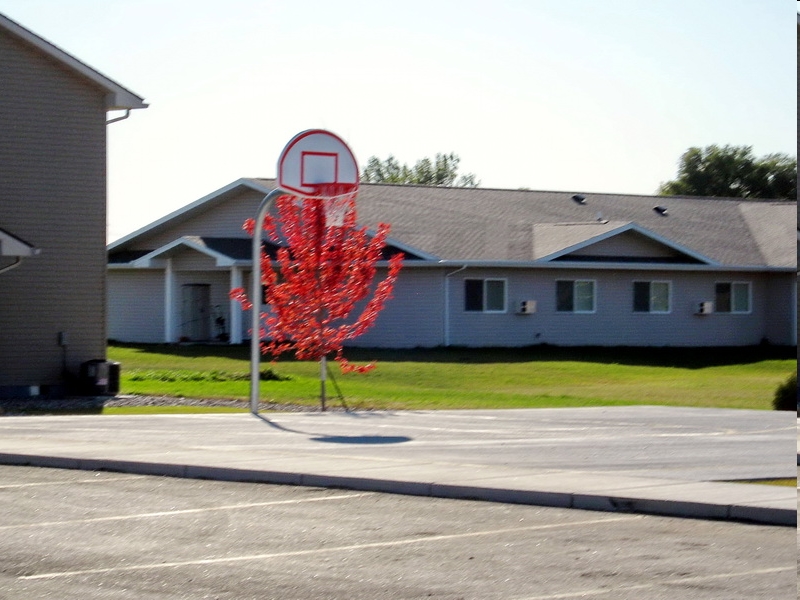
(732,297)
(651,296)
(575,296)
(485,295)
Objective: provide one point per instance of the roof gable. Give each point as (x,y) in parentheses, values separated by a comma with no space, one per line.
(117,97)
(224,252)
(609,242)
(206,203)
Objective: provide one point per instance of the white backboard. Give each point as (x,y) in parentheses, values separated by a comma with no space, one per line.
(315,157)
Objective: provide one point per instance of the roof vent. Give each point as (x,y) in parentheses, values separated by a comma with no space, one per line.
(579,198)
(662,210)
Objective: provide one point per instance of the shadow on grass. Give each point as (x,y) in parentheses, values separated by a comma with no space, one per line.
(686,358)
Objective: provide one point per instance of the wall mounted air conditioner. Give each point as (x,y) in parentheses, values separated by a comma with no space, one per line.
(526,307)
(705,308)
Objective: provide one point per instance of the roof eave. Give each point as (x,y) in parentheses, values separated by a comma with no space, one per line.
(617,266)
(118,97)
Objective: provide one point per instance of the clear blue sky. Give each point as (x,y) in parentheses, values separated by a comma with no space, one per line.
(572,95)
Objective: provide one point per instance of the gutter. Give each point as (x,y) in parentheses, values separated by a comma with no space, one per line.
(122,118)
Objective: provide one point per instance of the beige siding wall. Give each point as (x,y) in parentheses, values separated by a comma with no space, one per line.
(52,194)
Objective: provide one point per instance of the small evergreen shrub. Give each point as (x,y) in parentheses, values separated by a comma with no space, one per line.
(786,394)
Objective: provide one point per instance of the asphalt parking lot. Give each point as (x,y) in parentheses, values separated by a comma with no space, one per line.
(78,535)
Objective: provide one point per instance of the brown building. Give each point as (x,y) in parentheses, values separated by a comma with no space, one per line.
(53,118)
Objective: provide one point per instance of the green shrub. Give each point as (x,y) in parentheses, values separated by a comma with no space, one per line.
(172,376)
(786,394)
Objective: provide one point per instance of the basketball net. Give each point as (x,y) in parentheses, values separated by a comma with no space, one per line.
(337,199)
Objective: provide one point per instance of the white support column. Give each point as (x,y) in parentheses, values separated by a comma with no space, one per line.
(236,308)
(169,303)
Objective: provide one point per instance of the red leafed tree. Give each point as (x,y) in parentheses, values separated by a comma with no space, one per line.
(324,270)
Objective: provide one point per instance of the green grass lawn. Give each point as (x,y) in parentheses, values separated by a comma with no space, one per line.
(471,378)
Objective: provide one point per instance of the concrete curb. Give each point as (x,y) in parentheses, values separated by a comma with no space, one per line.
(600,501)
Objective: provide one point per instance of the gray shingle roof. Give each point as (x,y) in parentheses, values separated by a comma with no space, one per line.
(494,224)
(482,224)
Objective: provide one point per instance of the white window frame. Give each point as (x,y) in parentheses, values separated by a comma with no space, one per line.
(575,283)
(484,300)
(650,310)
(732,311)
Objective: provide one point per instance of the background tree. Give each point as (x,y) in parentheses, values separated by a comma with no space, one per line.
(323,272)
(733,171)
(441,171)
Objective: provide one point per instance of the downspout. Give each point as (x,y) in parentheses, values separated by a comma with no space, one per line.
(122,118)
(793,316)
(13,265)
(447,303)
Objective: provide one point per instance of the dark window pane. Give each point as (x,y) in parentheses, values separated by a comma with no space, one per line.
(473,294)
(722,301)
(641,296)
(565,296)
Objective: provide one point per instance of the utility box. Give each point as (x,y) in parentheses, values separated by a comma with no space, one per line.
(704,308)
(95,377)
(113,378)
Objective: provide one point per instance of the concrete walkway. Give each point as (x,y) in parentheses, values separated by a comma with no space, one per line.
(654,460)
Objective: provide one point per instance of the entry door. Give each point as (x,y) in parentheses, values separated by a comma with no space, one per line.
(196,312)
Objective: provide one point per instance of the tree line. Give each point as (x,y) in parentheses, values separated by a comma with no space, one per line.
(715,171)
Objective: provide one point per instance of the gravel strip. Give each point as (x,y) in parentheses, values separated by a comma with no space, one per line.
(39,406)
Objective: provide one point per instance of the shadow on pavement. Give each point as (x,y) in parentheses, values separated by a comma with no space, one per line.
(339,439)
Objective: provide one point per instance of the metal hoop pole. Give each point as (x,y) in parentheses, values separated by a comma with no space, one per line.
(255,300)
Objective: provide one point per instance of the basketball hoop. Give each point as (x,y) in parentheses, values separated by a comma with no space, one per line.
(317,164)
(314,164)
(337,201)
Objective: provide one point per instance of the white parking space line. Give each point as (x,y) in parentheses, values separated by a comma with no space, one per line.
(352,547)
(187,511)
(70,482)
(646,586)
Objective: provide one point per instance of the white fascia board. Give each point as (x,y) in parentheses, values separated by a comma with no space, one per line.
(186,209)
(118,97)
(622,229)
(11,245)
(594,266)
